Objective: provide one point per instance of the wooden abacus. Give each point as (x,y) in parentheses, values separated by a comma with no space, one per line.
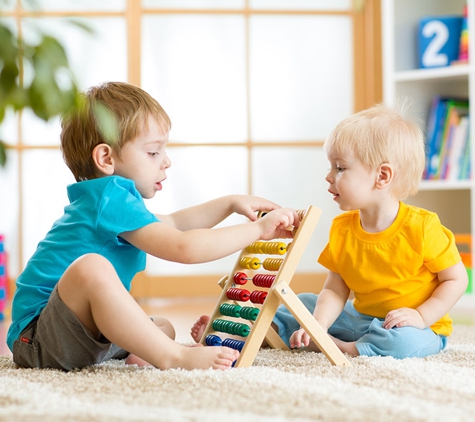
(264,303)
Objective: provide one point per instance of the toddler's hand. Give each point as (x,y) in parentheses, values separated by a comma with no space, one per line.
(299,338)
(403,317)
(276,224)
(247,205)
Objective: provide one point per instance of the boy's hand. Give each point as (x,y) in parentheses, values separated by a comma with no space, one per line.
(403,317)
(247,205)
(299,338)
(275,224)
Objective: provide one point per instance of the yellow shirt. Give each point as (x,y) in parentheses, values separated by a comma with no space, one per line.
(394,268)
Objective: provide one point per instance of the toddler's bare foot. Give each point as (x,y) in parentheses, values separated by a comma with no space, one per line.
(346,346)
(199,327)
(215,357)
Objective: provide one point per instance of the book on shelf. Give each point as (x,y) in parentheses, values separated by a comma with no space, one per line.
(447,141)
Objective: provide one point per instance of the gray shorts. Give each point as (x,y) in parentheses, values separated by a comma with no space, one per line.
(56,339)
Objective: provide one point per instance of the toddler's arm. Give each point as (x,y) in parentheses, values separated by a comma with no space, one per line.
(453,283)
(331,301)
(204,245)
(208,214)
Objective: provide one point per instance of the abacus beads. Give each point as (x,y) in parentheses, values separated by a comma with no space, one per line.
(263,280)
(260,280)
(243,295)
(238,294)
(258,296)
(214,340)
(250,263)
(230,310)
(270,264)
(249,312)
(246,312)
(240,278)
(231,327)
(268,248)
(233,344)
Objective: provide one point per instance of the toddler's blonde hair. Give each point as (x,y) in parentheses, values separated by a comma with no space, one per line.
(383,134)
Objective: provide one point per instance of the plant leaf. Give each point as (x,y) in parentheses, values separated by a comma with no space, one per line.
(107,123)
(3,155)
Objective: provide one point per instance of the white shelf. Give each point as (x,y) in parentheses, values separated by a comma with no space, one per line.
(453,201)
(445,185)
(460,71)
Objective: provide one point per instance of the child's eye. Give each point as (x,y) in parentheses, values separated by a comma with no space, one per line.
(339,169)
(153,154)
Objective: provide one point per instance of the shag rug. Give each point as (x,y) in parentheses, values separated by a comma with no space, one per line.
(280,386)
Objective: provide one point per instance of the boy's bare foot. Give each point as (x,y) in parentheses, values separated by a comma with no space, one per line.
(196,357)
(199,327)
(214,357)
(135,360)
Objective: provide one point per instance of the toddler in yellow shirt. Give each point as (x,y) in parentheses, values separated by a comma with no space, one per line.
(400,262)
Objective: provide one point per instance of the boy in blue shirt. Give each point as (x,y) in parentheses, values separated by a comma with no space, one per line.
(72,307)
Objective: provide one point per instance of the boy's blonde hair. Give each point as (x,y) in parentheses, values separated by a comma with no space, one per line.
(80,132)
(382,134)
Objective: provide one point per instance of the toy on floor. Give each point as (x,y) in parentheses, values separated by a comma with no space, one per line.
(247,312)
(3,278)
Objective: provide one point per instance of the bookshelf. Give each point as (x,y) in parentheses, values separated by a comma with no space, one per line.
(453,200)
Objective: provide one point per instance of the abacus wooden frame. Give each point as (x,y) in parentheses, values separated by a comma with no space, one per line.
(280,293)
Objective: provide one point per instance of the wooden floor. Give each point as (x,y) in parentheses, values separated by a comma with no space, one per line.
(183,312)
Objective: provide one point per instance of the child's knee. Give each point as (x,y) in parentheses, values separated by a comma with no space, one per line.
(90,268)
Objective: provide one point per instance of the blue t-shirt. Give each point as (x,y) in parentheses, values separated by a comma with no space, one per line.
(99,211)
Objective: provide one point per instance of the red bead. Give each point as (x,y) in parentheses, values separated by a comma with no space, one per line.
(240,278)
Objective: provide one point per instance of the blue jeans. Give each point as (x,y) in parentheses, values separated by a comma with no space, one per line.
(368,332)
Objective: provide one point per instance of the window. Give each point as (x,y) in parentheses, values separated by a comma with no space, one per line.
(252,87)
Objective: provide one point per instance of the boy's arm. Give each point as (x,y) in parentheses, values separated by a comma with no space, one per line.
(208,214)
(453,283)
(204,245)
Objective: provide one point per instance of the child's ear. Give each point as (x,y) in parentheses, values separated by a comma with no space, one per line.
(102,156)
(385,175)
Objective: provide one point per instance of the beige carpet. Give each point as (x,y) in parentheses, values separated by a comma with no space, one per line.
(280,386)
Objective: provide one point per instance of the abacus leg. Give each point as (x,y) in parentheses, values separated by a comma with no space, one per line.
(307,321)
(259,331)
(273,339)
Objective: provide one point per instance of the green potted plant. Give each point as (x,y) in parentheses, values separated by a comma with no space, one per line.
(52,88)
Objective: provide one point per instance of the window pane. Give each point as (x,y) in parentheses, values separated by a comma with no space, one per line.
(194,66)
(301,76)
(9,210)
(197,175)
(9,128)
(108,5)
(106,61)
(301,4)
(295,177)
(44,195)
(193,4)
